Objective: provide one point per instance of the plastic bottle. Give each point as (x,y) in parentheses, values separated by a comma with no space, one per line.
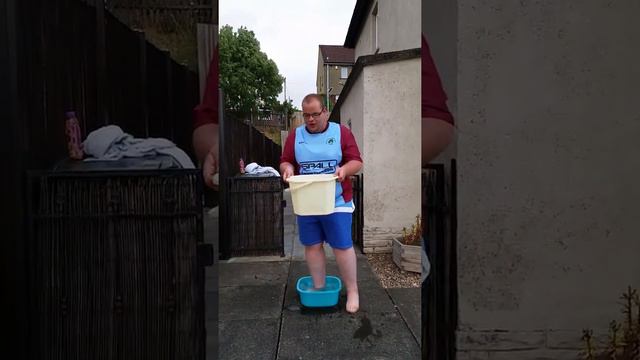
(74,136)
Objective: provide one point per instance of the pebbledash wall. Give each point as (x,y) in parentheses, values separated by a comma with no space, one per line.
(546,100)
(390,139)
(381,105)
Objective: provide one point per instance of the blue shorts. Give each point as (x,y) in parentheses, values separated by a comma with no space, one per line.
(335,229)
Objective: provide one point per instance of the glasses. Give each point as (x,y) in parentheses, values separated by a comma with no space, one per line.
(315,115)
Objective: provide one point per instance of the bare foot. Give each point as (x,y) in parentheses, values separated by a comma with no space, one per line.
(319,286)
(353,301)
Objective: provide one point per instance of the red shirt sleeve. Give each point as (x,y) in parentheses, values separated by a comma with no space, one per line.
(207,111)
(289,153)
(434,99)
(350,152)
(350,149)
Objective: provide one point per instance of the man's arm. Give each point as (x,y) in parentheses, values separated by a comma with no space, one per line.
(288,157)
(437,121)
(206,129)
(436,136)
(352,161)
(205,138)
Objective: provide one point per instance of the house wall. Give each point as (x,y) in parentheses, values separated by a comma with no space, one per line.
(335,81)
(352,113)
(388,132)
(548,168)
(398,27)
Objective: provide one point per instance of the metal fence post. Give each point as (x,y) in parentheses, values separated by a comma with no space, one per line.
(101,64)
(142,53)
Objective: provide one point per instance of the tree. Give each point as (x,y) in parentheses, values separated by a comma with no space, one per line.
(285,107)
(248,78)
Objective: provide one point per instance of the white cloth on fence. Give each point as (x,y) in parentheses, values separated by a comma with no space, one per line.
(426,265)
(255,169)
(110,143)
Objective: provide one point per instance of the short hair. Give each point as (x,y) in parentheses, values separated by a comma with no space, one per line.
(310,97)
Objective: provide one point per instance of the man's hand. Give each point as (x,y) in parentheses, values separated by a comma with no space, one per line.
(350,168)
(210,168)
(287,171)
(205,144)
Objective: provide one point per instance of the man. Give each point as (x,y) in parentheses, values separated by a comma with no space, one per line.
(321,147)
(206,128)
(437,121)
(437,133)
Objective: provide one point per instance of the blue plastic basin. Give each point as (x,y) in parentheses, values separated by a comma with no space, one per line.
(326,297)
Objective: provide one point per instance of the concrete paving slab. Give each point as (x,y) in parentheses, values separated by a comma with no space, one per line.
(211,324)
(254,274)
(211,347)
(256,259)
(340,336)
(211,278)
(408,303)
(248,339)
(250,302)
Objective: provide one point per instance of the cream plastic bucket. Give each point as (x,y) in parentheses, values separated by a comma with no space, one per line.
(313,194)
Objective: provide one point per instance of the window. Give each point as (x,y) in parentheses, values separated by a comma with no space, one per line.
(344,72)
(374,29)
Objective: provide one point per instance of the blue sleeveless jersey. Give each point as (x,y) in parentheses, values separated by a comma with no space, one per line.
(321,153)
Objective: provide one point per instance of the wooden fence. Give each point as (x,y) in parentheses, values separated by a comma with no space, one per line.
(239,140)
(439,292)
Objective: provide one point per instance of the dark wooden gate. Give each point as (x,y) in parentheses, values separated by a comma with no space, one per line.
(357,225)
(115,264)
(255,213)
(63,55)
(439,291)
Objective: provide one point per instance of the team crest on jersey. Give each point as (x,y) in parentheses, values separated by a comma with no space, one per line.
(331,141)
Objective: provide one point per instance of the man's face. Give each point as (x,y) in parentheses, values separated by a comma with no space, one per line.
(315,116)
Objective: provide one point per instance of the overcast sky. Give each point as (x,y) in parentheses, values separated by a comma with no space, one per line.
(289,32)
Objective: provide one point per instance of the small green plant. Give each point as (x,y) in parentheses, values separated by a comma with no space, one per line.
(613,343)
(624,338)
(413,236)
(587,337)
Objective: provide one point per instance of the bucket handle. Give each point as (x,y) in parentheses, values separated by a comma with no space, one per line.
(309,183)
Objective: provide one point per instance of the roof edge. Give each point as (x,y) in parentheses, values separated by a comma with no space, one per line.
(358,19)
(368,60)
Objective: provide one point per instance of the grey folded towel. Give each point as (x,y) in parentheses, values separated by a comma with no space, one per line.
(110,143)
(255,169)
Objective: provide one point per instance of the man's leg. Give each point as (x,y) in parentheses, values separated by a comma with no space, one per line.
(317,264)
(337,228)
(346,259)
(312,236)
